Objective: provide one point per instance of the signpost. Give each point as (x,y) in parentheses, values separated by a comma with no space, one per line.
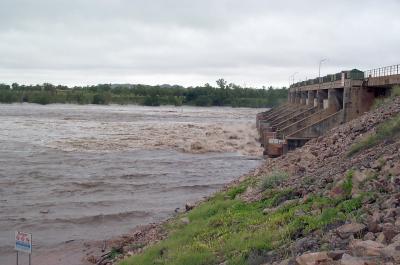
(23,243)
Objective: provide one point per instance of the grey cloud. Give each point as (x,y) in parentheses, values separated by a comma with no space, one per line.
(192,42)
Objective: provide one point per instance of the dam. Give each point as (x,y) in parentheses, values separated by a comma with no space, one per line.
(317,105)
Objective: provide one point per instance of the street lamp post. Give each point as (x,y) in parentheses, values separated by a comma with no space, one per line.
(291,78)
(319,76)
(294,76)
(319,69)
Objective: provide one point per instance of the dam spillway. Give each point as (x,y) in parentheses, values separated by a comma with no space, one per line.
(317,105)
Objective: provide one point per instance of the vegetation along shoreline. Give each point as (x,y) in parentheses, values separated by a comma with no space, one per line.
(223,94)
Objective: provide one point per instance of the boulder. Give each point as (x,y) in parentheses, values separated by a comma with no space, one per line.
(392,252)
(376,165)
(381,238)
(350,260)
(285,262)
(306,244)
(390,231)
(336,254)
(391,213)
(267,210)
(392,202)
(185,220)
(92,259)
(373,222)
(189,206)
(345,231)
(396,238)
(395,170)
(337,192)
(366,248)
(397,223)
(369,236)
(313,258)
(360,176)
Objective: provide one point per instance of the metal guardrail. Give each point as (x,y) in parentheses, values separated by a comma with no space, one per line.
(383,71)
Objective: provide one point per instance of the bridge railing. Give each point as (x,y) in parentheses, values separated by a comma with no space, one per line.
(383,71)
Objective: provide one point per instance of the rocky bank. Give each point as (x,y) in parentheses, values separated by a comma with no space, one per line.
(324,168)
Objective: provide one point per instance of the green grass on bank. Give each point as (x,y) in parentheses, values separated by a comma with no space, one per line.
(388,130)
(227,229)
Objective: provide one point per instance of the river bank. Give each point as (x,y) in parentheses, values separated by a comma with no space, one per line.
(334,201)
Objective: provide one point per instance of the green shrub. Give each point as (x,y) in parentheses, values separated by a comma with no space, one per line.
(114,253)
(273,180)
(233,192)
(274,197)
(386,131)
(347,185)
(351,205)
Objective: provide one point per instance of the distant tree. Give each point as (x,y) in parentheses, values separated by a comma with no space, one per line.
(203,101)
(152,100)
(101,99)
(4,87)
(206,95)
(15,86)
(221,83)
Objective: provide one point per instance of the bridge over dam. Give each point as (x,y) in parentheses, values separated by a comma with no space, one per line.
(317,105)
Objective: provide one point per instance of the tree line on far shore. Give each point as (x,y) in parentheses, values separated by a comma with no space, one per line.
(222,95)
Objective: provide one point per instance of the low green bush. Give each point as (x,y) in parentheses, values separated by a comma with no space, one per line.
(348,183)
(273,180)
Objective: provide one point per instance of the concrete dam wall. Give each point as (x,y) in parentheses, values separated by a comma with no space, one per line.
(317,105)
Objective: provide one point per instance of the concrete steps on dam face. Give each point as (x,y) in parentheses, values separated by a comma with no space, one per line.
(279,113)
(304,122)
(318,128)
(300,137)
(294,117)
(265,116)
(269,113)
(292,111)
(276,116)
(293,125)
(266,126)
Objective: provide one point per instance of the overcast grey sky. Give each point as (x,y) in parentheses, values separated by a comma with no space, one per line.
(252,42)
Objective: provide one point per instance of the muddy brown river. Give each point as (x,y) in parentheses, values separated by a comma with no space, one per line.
(70,172)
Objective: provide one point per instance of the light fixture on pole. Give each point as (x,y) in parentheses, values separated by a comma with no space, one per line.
(319,69)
